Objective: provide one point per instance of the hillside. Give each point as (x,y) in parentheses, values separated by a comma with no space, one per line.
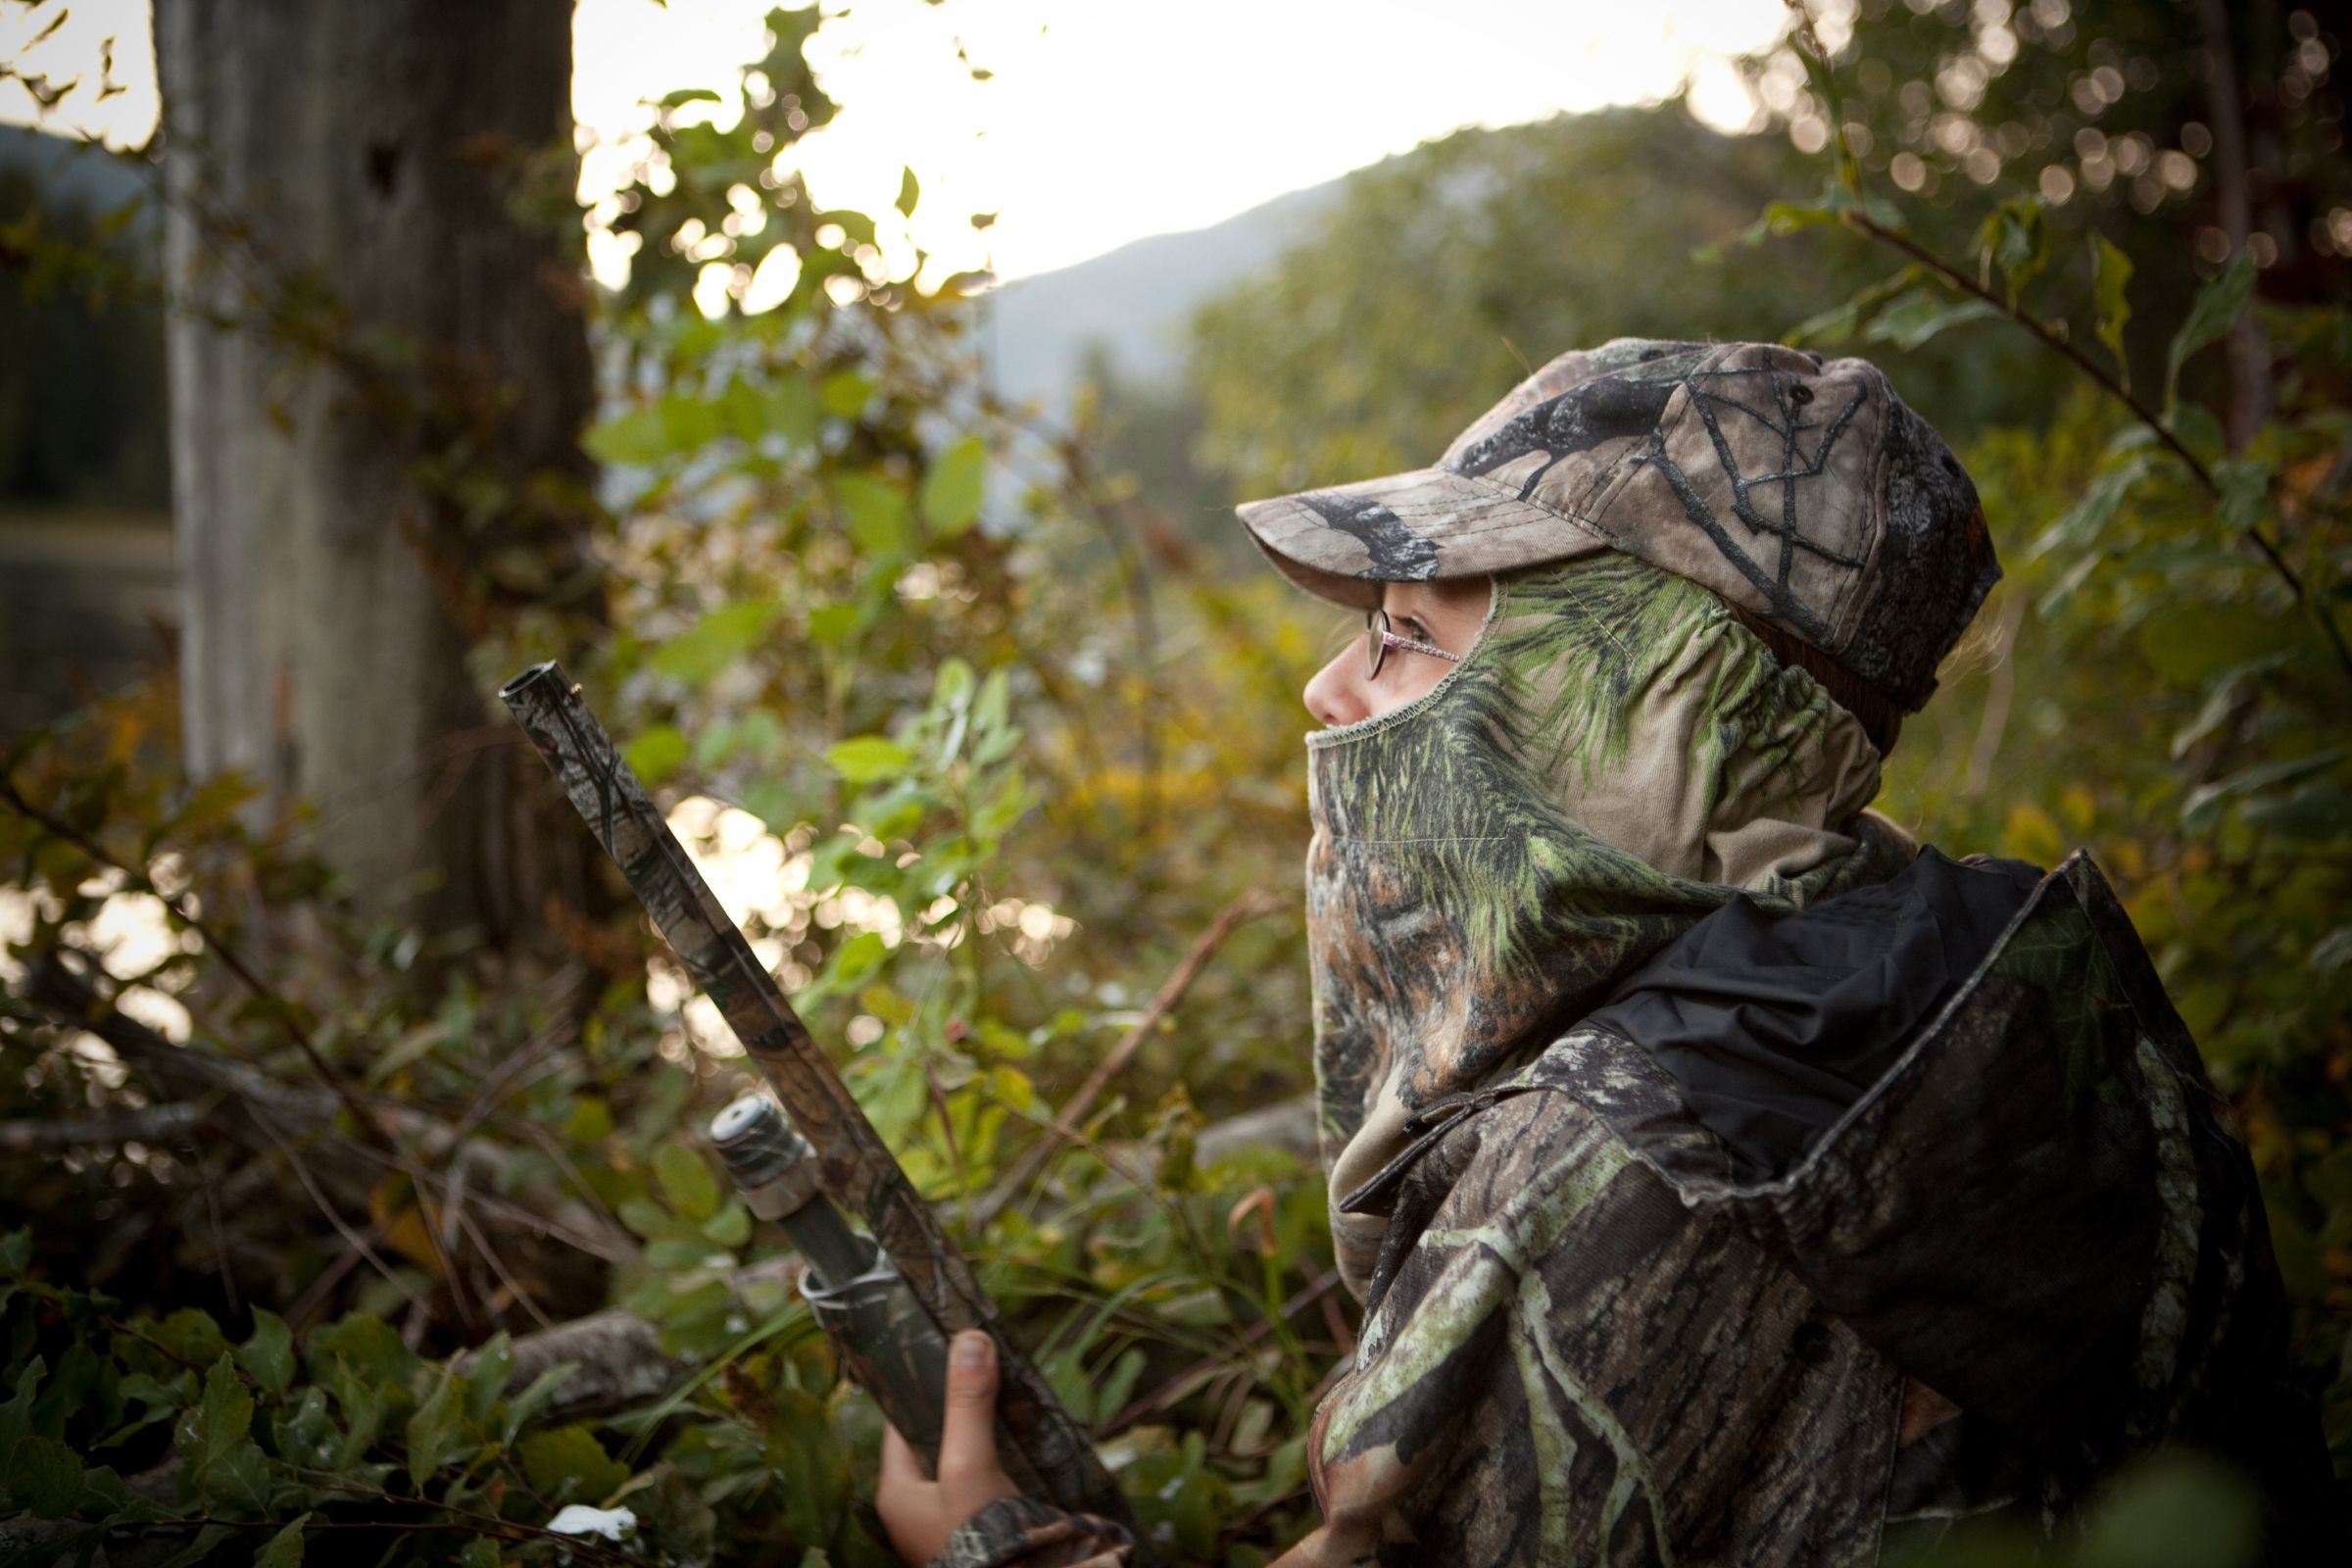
(1135,300)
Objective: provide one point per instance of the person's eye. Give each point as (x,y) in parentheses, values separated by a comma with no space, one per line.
(1416,630)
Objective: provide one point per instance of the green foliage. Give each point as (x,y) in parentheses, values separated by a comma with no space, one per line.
(907,639)
(2221,302)
(989,748)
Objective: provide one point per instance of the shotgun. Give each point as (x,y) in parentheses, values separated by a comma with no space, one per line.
(1042,1448)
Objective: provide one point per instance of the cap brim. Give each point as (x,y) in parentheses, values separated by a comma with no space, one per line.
(1427,526)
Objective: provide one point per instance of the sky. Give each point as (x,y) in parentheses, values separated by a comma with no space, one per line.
(1101,121)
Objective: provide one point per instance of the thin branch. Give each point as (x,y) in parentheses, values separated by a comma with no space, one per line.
(309,1184)
(1248,907)
(147,1125)
(497,1267)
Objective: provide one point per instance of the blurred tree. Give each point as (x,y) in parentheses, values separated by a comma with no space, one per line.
(1443,277)
(361,483)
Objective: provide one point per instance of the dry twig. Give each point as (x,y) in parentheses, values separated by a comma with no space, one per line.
(1025,1170)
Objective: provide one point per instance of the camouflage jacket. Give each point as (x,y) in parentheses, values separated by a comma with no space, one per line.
(2029,1248)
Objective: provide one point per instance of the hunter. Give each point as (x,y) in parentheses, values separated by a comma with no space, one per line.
(1726,1178)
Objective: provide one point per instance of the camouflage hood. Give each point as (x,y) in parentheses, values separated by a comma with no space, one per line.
(1615,759)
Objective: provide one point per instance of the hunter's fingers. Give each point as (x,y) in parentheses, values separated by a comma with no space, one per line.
(967,1440)
(901,1466)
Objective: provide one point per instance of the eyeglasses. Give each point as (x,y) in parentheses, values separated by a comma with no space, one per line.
(1378,640)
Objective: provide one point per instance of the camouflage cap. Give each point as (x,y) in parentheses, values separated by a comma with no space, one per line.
(1802,491)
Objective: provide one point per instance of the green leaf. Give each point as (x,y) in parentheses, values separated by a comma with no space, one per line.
(433,1433)
(2086,520)
(2215,309)
(1919,316)
(686,1181)
(568,1465)
(857,228)
(283,1549)
(790,410)
(730,1227)
(269,1355)
(487,1376)
(834,624)
(362,1405)
(2016,239)
(656,431)
(2320,812)
(590,1121)
(867,758)
(368,1347)
(634,439)
(645,1217)
(196,1551)
(480,1552)
(220,1418)
(717,641)
(1838,324)
(2110,274)
(224,1463)
(2193,643)
(653,433)
(689,422)
(528,1405)
(845,392)
(212,802)
(877,513)
(953,489)
(1780,218)
(2204,805)
(15,1252)
(656,753)
(44,1475)
(910,190)
(191,1335)
(2245,485)
(859,957)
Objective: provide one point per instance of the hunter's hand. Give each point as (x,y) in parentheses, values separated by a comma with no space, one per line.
(921,1514)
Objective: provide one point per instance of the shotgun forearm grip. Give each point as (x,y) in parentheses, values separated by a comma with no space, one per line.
(893,1347)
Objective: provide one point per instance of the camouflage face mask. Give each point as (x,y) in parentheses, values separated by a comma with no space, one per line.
(1615,758)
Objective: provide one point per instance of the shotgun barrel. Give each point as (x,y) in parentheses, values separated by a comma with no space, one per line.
(1041,1447)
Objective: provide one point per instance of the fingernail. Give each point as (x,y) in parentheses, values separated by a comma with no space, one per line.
(973,1347)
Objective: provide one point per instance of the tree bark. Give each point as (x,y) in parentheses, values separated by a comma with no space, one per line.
(2247,345)
(379,373)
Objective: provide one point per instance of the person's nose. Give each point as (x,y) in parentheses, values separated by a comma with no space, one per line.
(1336,696)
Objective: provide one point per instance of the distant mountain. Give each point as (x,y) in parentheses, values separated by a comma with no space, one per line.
(1134,301)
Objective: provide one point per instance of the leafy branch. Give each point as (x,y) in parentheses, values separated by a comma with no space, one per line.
(2218,305)
(289,1016)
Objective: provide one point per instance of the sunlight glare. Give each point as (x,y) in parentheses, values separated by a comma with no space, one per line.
(1097,124)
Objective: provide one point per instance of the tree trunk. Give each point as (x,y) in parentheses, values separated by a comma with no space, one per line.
(379,373)
(2247,344)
